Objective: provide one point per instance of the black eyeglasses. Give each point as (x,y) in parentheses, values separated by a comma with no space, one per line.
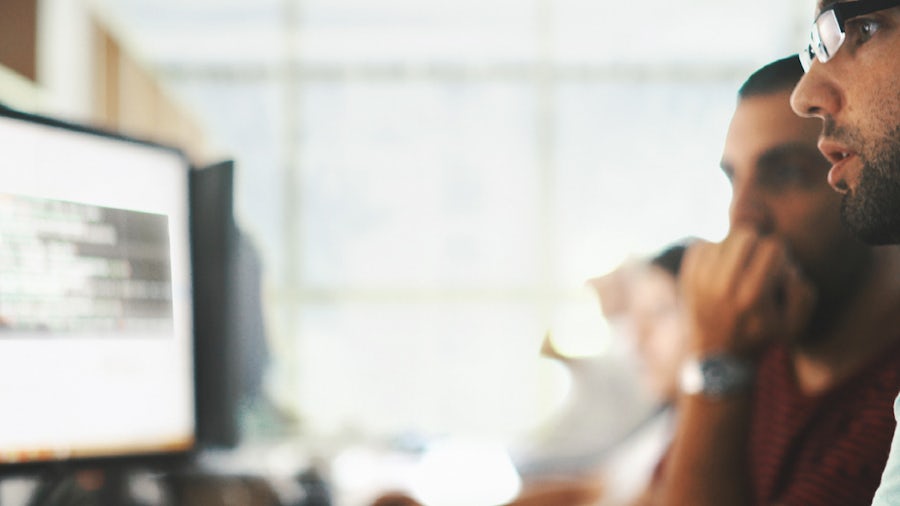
(827,34)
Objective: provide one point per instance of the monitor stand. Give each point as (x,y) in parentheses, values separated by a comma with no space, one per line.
(100,487)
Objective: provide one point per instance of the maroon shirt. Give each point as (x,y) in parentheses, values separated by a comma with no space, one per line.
(828,449)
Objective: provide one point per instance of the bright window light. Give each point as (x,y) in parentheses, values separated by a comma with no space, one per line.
(431,183)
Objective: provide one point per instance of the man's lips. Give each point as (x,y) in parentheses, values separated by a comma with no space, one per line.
(835,152)
(840,156)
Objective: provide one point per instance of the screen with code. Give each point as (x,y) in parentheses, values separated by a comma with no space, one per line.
(96,348)
(67,267)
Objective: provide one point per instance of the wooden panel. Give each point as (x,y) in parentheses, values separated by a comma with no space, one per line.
(18,36)
(129,98)
(105,78)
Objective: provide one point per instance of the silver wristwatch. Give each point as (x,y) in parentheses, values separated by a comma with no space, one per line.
(716,375)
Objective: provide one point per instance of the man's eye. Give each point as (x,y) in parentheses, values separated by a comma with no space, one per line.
(782,176)
(861,30)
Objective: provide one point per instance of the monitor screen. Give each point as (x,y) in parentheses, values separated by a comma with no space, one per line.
(96,334)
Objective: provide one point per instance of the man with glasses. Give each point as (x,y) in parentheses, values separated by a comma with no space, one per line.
(852,83)
(794,331)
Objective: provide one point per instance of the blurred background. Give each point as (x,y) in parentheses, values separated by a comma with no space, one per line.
(429,184)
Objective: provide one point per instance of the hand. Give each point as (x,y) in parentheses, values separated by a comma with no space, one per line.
(742,294)
(395,499)
(573,491)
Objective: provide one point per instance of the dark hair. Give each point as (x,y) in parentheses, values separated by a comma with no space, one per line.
(670,258)
(777,76)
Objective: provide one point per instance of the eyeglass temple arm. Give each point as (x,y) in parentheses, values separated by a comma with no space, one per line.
(849,10)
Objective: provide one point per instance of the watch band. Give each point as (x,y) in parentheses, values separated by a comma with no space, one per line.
(716,375)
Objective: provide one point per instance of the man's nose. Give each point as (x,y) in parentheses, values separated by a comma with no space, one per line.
(816,94)
(748,208)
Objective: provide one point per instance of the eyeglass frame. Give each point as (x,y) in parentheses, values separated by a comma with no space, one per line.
(838,13)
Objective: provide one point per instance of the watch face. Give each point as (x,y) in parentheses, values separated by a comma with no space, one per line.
(716,375)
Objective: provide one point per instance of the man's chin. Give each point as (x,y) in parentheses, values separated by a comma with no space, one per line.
(873,219)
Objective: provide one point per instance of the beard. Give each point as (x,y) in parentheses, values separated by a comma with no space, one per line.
(872,209)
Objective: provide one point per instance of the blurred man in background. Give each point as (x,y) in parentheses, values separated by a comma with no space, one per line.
(623,471)
(610,442)
(794,328)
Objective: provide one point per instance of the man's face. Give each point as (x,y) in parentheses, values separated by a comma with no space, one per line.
(857,94)
(779,188)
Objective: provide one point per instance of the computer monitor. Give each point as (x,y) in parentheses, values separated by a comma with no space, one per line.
(231,352)
(96,332)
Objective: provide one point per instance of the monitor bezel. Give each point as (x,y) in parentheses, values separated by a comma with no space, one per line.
(167,459)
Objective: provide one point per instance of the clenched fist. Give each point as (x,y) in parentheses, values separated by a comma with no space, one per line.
(743,293)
